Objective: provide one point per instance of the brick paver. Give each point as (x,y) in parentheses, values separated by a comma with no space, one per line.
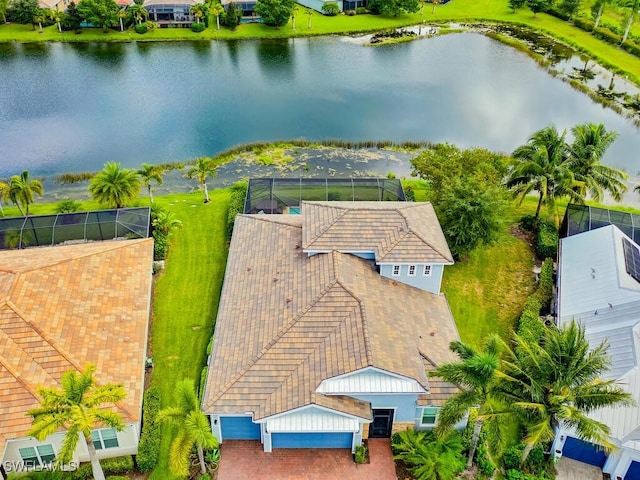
(569,469)
(245,460)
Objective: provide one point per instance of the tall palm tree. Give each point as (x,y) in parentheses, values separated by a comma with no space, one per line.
(201,170)
(217,10)
(630,19)
(198,11)
(147,174)
(77,408)
(193,428)
(55,16)
(309,14)
(22,190)
(557,381)
(4,196)
(138,12)
(474,375)
(542,165)
(590,143)
(115,186)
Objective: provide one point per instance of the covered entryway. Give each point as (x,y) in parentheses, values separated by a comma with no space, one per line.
(312,440)
(381,424)
(239,428)
(633,473)
(584,452)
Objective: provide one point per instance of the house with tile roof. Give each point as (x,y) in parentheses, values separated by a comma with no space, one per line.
(328,324)
(60,308)
(599,287)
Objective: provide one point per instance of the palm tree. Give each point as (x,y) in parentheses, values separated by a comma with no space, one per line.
(474,375)
(4,196)
(149,173)
(203,169)
(193,428)
(115,186)
(39,18)
(309,14)
(630,19)
(77,408)
(557,381)
(165,223)
(122,14)
(428,457)
(217,10)
(590,143)
(197,11)
(22,190)
(542,165)
(294,11)
(54,16)
(138,12)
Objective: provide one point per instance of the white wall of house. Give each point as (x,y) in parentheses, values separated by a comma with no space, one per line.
(429,279)
(127,445)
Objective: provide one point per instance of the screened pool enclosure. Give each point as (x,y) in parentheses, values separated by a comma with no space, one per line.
(49,230)
(284,195)
(583,218)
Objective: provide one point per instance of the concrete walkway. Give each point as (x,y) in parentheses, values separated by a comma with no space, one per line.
(569,469)
(245,460)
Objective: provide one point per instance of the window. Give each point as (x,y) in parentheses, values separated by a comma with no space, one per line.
(427,271)
(429,415)
(37,456)
(104,438)
(412,270)
(396,270)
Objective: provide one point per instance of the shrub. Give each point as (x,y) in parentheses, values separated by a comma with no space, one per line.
(583,23)
(116,477)
(141,28)
(203,380)
(361,10)
(197,27)
(631,47)
(409,194)
(558,13)
(545,284)
(204,477)
(331,9)
(529,223)
(607,35)
(149,446)
(512,456)
(160,246)
(361,454)
(68,206)
(236,205)
(350,13)
(110,466)
(547,241)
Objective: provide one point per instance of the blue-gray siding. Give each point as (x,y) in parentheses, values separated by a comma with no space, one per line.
(430,283)
(404,405)
(239,428)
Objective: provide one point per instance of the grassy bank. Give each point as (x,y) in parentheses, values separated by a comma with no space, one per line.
(455,11)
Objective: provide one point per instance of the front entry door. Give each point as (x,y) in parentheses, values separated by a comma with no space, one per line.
(381,425)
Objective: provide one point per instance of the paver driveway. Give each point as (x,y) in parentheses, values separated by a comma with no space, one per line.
(245,460)
(569,469)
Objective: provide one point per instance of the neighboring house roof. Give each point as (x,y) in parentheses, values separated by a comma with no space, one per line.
(64,306)
(287,321)
(596,291)
(397,232)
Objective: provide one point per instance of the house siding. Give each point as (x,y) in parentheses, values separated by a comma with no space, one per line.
(404,405)
(430,283)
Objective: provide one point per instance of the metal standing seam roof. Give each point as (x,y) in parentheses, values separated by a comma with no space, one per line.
(596,291)
(287,321)
(397,232)
(64,306)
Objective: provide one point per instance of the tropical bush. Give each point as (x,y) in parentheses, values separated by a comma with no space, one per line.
(360,456)
(141,28)
(547,240)
(331,9)
(68,206)
(149,446)
(607,35)
(236,204)
(110,466)
(361,10)
(197,27)
(428,458)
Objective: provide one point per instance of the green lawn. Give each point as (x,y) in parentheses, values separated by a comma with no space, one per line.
(456,11)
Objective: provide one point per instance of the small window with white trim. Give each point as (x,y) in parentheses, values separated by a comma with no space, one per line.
(427,271)
(412,270)
(429,415)
(104,438)
(39,456)
(396,270)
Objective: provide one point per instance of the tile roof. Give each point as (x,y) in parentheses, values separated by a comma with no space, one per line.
(64,306)
(287,321)
(396,231)
(440,391)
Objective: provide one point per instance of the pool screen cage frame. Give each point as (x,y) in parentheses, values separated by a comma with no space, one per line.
(284,195)
(583,218)
(77,227)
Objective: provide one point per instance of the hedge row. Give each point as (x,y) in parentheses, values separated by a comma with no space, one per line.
(110,466)
(547,240)
(529,325)
(236,205)
(149,446)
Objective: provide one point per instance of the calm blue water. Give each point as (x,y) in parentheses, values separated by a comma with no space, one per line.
(72,107)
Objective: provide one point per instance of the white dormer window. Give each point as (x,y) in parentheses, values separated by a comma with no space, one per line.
(412,270)
(396,270)
(427,271)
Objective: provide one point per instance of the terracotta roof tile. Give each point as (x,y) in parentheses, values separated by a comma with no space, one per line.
(64,306)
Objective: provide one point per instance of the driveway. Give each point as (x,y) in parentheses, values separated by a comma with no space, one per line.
(245,460)
(569,469)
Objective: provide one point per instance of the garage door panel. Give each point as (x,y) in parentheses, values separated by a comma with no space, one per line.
(584,452)
(239,428)
(633,473)
(311,440)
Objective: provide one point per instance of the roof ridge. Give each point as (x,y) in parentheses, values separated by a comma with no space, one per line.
(343,212)
(16,375)
(401,236)
(269,219)
(411,230)
(271,343)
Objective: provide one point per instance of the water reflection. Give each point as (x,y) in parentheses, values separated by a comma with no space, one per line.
(104,54)
(276,58)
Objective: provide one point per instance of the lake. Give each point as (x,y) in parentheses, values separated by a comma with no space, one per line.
(72,107)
